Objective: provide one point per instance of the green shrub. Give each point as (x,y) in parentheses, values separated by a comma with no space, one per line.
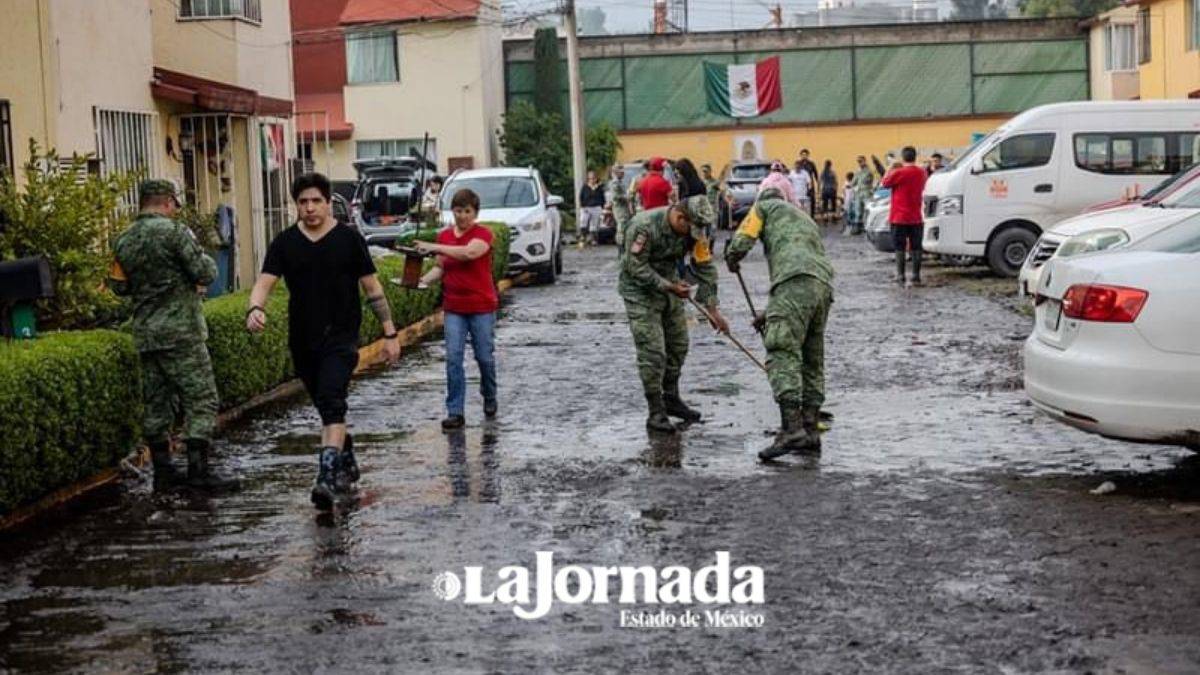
(246,364)
(70,405)
(501,238)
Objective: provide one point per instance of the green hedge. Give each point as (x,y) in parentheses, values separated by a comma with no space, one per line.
(70,405)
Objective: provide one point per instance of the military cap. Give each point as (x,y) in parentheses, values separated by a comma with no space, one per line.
(157,186)
(700,211)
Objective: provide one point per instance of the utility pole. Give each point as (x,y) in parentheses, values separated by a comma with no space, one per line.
(578,152)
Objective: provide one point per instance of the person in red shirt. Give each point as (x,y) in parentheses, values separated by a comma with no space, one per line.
(654,190)
(469,304)
(907,182)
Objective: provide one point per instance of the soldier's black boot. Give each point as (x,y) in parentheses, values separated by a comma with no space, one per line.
(791,435)
(810,418)
(658,419)
(199,474)
(165,474)
(674,405)
(325,489)
(348,474)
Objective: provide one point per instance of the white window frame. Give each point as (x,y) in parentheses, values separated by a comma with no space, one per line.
(127,140)
(249,11)
(398,146)
(1110,34)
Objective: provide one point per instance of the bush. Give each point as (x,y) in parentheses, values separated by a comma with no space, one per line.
(70,217)
(70,405)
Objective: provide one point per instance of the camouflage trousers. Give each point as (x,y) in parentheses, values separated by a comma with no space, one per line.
(795,341)
(660,335)
(178,380)
(619,233)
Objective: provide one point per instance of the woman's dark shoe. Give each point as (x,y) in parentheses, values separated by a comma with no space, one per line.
(490,408)
(454,422)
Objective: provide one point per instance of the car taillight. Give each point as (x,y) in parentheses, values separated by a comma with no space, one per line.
(1110,304)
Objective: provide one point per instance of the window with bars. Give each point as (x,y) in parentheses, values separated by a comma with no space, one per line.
(1120,47)
(1143,35)
(126,142)
(6,149)
(249,10)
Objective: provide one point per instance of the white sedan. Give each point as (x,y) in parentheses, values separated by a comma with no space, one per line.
(1112,228)
(1116,344)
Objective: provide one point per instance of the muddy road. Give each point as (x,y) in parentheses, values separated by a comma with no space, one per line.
(945,528)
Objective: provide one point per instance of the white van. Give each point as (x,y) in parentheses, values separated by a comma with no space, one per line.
(1048,164)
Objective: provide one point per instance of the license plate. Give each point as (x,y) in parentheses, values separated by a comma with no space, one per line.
(1053,316)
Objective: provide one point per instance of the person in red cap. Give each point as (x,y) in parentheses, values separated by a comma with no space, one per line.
(654,190)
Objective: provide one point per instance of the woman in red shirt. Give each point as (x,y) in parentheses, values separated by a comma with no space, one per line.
(469,303)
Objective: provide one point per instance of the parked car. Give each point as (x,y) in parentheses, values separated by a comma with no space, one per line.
(518,198)
(1048,164)
(388,189)
(1159,191)
(739,187)
(875,220)
(1114,228)
(1114,349)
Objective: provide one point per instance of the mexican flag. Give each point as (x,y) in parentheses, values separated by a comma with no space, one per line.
(743,89)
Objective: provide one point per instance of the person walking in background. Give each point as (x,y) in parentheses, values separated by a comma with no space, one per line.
(159,266)
(712,186)
(801,185)
(847,197)
(811,168)
(778,179)
(863,186)
(688,181)
(829,189)
(324,264)
(469,303)
(616,203)
(591,210)
(936,163)
(654,191)
(906,182)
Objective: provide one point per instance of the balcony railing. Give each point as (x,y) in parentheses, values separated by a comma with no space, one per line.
(247,10)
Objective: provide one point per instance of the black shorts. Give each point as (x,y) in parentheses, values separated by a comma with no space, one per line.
(326,372)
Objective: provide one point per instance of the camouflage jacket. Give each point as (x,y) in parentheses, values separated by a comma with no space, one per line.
(712,188)
(653,253)
(158,264)
(863,183)
(790,238)
(618,199)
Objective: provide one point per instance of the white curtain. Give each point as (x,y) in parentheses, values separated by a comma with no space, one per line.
(371,57)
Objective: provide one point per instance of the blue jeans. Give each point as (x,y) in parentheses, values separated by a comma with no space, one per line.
(482,329)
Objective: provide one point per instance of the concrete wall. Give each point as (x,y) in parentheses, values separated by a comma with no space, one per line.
(441,90)
(841,143)
(841,36)
(28,75)
(1174,68)
(264,52)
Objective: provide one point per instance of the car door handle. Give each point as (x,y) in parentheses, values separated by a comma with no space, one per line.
(1044,187)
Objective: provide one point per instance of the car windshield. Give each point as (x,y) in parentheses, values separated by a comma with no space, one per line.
(1169,183)
(1182,237)
(963,157)
(1186,197)
(497,192)
(750,172)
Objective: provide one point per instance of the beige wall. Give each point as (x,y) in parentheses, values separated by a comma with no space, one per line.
(265,53)
(96,68)
(1107,86)
(27,75)
(441,91)
(336,163)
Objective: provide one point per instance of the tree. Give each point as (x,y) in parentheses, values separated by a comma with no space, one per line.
(70,217)
(530,137)
(547,72)
(1056,8)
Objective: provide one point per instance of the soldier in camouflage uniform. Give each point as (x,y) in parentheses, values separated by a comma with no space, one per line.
(160,267)
(657,242)
(618,203)
(801,294)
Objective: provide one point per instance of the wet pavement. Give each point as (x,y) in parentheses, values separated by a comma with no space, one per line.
(946,527)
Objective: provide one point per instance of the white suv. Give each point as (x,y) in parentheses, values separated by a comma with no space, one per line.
(519,199)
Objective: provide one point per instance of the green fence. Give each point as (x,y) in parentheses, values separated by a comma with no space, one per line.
(832,85)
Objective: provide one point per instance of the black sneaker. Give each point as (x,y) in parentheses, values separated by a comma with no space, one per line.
(454,422)
(490,408)
(348,474)
(325,489)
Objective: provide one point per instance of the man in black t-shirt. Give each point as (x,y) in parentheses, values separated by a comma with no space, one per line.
(324,264)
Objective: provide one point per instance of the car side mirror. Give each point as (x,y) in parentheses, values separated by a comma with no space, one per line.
(977,167)
(554,201)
